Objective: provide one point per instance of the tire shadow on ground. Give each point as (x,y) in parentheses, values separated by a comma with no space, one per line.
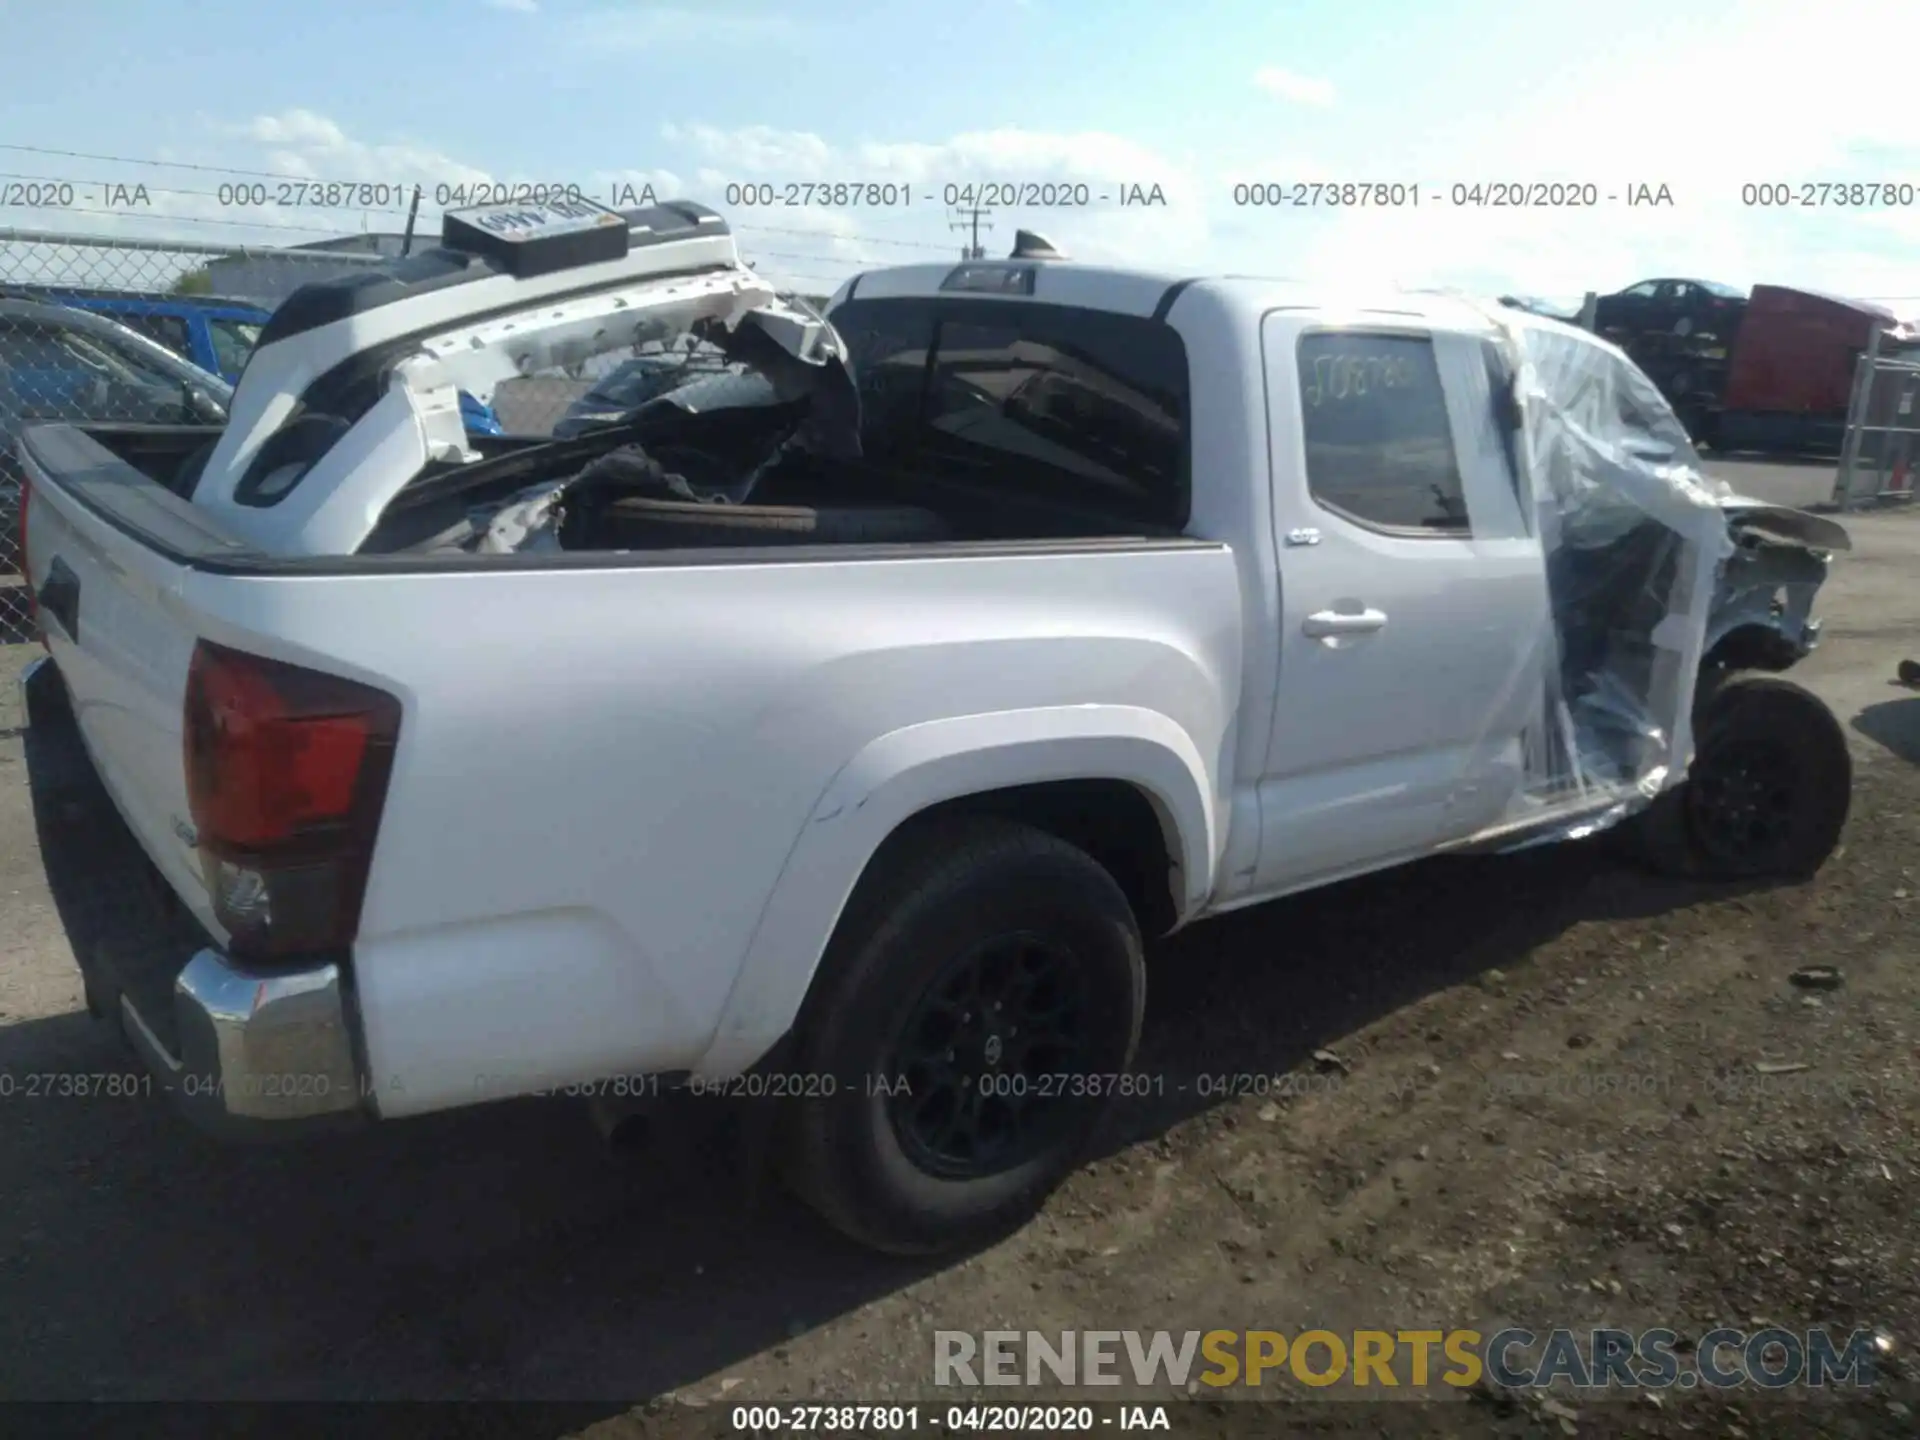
(1894,725)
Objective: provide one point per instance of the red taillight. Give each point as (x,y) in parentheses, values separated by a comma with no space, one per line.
(286,775)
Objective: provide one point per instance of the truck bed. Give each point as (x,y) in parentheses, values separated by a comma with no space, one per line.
(604,759)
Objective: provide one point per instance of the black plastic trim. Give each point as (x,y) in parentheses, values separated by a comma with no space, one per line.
(1173,293)
(1023,275)
(322,302)
(325,301)
(853,287)
(107,486)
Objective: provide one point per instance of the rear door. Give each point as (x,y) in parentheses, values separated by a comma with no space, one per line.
(1412,596)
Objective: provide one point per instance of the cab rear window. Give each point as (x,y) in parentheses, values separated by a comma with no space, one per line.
(1077,407)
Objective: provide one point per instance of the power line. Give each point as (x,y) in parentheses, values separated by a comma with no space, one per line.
(213,195)
(277,175)
(164,164)
(974,214)
(828,259)
(854,263)
(332,230)
(829,235)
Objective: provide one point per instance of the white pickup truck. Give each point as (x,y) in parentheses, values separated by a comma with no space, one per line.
(845,720)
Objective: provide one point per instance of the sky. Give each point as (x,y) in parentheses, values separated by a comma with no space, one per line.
(214,107)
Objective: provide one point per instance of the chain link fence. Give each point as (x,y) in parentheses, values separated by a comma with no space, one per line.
(103,330)
(100,329)
(1882,444)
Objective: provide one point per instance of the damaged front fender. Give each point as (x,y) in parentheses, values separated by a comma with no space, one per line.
(1656,574)
(1762,614)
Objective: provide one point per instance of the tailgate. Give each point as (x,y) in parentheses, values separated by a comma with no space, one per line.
(107,548)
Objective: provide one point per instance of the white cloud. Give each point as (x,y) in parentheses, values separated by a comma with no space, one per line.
(758,150)
(1618,113)
(1300,89)
(1632,109)
(522,7)
(307,145)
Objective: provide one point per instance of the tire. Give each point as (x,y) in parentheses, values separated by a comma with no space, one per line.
(938,900)
(1759,741)
(676,524)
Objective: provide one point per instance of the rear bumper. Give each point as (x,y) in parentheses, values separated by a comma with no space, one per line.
(244,1055)
(258,1055)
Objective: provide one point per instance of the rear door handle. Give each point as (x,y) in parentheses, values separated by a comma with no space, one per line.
(1344,622)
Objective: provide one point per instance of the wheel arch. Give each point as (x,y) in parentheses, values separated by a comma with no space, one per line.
(1068,770)
(1750,645)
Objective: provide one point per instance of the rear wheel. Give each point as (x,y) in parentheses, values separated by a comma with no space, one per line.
(983,989)
(1768,792)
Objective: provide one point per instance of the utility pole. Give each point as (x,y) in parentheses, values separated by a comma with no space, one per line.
(974,215)
(413,214)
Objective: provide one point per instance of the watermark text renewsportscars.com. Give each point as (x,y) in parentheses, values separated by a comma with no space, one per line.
(1408,1359)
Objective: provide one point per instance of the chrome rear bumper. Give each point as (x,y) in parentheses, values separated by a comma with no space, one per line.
(257,1052)
(243,1054)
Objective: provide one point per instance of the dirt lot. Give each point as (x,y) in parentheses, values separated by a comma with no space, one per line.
(1545,1110)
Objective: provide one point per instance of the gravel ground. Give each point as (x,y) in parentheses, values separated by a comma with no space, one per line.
(1551,1092)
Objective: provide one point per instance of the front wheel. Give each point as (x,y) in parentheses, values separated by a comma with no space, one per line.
(1767,794)
(982,992)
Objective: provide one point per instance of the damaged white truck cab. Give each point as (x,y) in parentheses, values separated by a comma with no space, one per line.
(856,711)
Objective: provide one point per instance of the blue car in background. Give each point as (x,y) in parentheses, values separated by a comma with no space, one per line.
(61,363)
(215,333)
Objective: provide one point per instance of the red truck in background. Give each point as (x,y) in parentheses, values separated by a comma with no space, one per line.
(1788,372)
